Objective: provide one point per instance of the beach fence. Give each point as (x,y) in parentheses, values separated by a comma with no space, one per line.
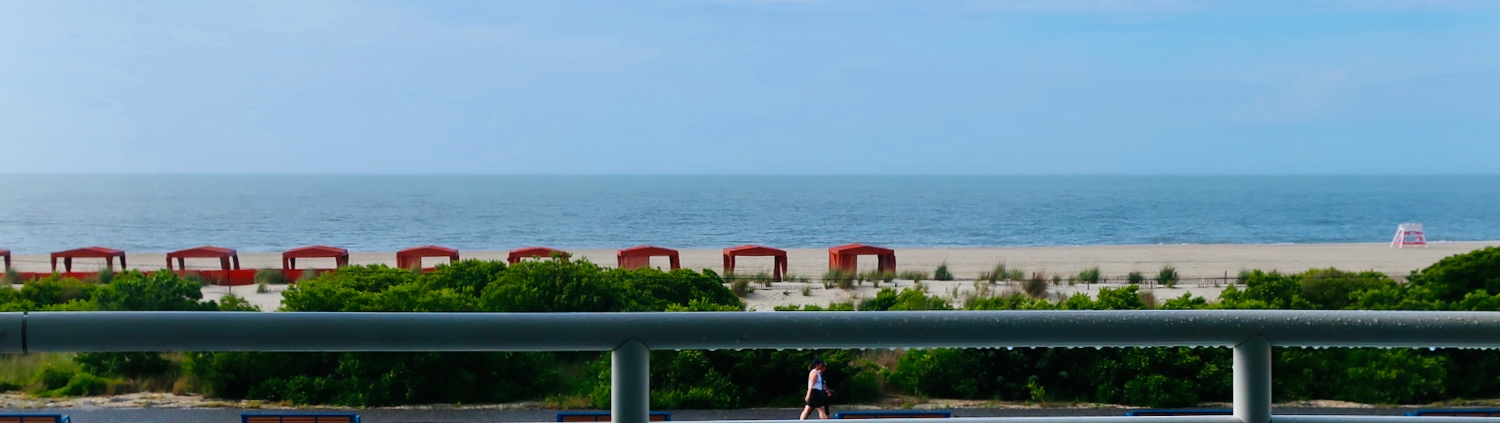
(630,338)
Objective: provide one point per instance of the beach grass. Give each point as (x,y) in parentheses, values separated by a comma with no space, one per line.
(1089,275)
(840,278)
(270,276)
(942,273)
(741,287)
(1036,287)
(1167,276)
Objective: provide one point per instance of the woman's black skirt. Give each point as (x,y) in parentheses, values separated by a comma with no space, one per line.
(818,399)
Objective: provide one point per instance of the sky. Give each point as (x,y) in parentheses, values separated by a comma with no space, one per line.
(750,87)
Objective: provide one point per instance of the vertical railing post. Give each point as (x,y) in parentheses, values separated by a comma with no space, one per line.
(630,383)
(1252,380)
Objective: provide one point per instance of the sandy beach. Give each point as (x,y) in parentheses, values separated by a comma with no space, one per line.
(1191,261)
(1195,264)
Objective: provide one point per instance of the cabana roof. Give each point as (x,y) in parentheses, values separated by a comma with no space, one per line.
(315,251)
(754,250)
(860,249)
(412,257)
(428,251)
(203,252)
(89,252)
(516,255)
(647,251)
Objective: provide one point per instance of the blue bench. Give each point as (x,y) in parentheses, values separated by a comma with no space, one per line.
(1182,412)
(35,418)
(894,414)
(603,416)
(1456,412)
(299,418)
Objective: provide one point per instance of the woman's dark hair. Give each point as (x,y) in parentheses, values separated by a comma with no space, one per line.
(814,364)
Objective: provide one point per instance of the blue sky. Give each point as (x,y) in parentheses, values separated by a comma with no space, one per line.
(751,87)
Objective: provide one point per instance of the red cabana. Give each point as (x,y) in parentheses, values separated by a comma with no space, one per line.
(534,252)
(6,254)
(289,258)
(411,258)
(846,257)
(778,261)
(634,257)
(228,258)
(108,254)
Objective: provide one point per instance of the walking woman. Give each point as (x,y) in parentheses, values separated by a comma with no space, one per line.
(817,390)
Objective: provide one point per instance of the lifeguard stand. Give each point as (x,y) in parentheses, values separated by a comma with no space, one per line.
(1409,234)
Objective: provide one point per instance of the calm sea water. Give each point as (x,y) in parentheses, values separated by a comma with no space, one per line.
(43,213)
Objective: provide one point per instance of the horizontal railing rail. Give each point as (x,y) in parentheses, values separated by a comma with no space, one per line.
(631,336)
(247,331)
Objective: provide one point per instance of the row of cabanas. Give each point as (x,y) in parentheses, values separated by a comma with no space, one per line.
(841,257)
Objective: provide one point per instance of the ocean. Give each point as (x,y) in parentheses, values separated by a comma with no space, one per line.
(44,213)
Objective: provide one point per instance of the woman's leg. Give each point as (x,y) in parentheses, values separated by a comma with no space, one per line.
(805,411)
(823,412)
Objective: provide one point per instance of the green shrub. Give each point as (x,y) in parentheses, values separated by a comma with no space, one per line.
(1089,275)
(106,275)
(84,384)
(54,376)
(806,291)
(906,299)
(1454,277)
(261,288)
(942,273)
(233,302)
(270,276)
(1015,274)
(123,364)
(12,276)
(9,386)
(1056,279)
(1167,276)
(1135,278)
(912,275)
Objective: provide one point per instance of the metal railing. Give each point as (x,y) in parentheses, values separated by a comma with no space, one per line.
(631,336)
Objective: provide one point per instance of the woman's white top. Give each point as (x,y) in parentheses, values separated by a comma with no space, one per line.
(818,381)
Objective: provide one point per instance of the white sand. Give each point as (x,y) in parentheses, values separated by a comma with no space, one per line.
(1193,262)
